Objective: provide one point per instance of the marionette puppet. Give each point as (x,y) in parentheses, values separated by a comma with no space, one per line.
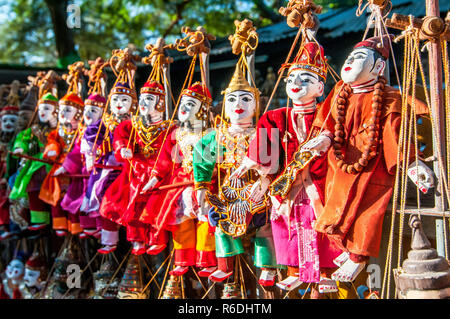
(31,142)
(136,145)
(9,118)
(19,208)
(75,162)
(59,143)
(9,287)
(179,210)
(223,149)
(34,277)
(98,148)
(280,134)
(232,209)
(364,115)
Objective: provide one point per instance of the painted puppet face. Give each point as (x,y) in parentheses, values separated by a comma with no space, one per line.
(121,103)
(360,67)
(240,106)
(46,112)
(189,106)
(92,114)
(147,105)
(9,123)
(15,269)
(31,277)
(303,86)
(67,114)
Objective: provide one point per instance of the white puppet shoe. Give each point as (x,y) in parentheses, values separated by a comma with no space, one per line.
(327,285)
(267,277)
(289,283)
(341,259)
(348,271)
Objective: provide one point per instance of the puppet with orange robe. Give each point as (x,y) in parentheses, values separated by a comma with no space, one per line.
(364,116)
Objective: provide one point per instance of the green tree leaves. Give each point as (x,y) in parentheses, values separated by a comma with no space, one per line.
(28,35)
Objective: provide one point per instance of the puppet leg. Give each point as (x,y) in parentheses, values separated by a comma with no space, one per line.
(286,250)
(109,236)
(157,243)
(39,211)
(59,219)
(226,248)
(73,223)
(137,233)
(89,225)
(265,255)
(205,247)
(184,238)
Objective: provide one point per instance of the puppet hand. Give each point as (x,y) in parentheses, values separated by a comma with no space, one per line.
(318,145)
(246,165)
(214,217)
(150,185)
(421,175)
(259,189)
(18,151)
(126,153)
(60,171)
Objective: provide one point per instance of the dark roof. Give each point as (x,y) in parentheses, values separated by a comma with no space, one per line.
(333,23)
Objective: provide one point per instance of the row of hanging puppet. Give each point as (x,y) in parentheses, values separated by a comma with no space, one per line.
(311,182)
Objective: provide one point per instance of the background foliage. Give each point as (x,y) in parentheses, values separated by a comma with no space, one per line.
(34,32)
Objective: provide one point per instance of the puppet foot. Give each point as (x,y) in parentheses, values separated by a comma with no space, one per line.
(327,285)
(348,271)
(206,272)
(107,249)
(92,232)
(267,277)
(61,233)
(155,249)
(219,275)
(289,283)
(138,248)
(341,259)
(179,271)
(35,227)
